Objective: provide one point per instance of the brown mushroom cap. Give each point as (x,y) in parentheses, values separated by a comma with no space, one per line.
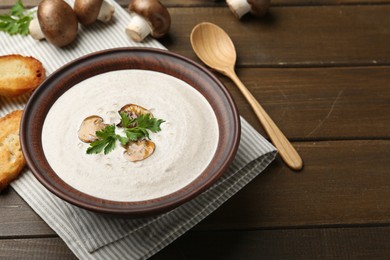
(134,111)
(139,150)
(259,7)
(154,13)
(58,22)
(87,10)
(89,127)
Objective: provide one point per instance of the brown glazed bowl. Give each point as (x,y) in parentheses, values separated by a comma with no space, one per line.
(120,59)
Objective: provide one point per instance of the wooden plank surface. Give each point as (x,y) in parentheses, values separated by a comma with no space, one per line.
(213,3)
(333,35)
(321,70)
(320,103)
(339,185)
(331,243)
(342,183)
(329,32)
(17,218)
(35,249)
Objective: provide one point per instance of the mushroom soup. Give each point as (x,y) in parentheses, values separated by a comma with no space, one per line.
(184,146)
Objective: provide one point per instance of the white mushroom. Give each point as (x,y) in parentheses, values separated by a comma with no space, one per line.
(35,30)
(150,17)
(56,22)
(88,11)
(89,127)
(241,7)
(139,150)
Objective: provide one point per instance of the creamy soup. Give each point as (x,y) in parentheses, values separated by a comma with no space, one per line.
(184,146)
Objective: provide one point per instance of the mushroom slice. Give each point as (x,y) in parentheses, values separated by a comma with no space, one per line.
(134,111)
(150,17)
(88,11)
(89,127)
(139,150)
(241,7)
(56,22)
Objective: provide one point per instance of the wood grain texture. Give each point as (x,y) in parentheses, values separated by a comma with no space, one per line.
(35,249)
(342,183)
(334,35)
(321,70)
(331,243)
(339,185)
(16,217)
(320,103)
(213,3)
(339,243)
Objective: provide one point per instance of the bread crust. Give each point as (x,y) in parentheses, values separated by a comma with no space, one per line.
(19,74)
(11,157)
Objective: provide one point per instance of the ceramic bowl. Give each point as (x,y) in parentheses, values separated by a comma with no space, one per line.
(129,59)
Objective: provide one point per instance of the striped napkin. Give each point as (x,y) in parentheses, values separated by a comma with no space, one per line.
(93,236)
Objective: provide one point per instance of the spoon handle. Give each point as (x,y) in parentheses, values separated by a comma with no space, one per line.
(288,153)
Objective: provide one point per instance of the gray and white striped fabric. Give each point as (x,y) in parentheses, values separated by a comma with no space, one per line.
(94,236)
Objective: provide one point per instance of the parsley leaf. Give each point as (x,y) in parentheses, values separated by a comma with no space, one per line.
(17,21)
(125,120)
(17,9)
(152,124)
(134,129)
(107,140)
(123,140)
(134,134)
(96,147)
(143,123)
(106,132)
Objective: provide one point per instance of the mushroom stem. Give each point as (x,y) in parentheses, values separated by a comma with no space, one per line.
(239,7)
(35,30)
(106,12)
(138,28)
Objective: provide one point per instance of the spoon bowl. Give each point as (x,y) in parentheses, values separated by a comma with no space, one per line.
(215,48)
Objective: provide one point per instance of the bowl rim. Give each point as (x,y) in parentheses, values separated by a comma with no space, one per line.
(33,151)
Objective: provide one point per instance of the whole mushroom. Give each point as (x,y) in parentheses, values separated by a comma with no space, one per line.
(88,11)
(241,7)
(56,21)
(150,17)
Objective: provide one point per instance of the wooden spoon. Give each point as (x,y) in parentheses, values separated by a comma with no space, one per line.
(215,48)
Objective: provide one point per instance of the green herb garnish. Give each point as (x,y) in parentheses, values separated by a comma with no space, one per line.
(17,21)
(106,142)
(143,123)
(134,129)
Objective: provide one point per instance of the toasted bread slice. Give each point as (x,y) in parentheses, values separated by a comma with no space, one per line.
(11,157)
(19,75)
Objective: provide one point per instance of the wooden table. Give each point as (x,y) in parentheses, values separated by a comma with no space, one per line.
(322,71)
